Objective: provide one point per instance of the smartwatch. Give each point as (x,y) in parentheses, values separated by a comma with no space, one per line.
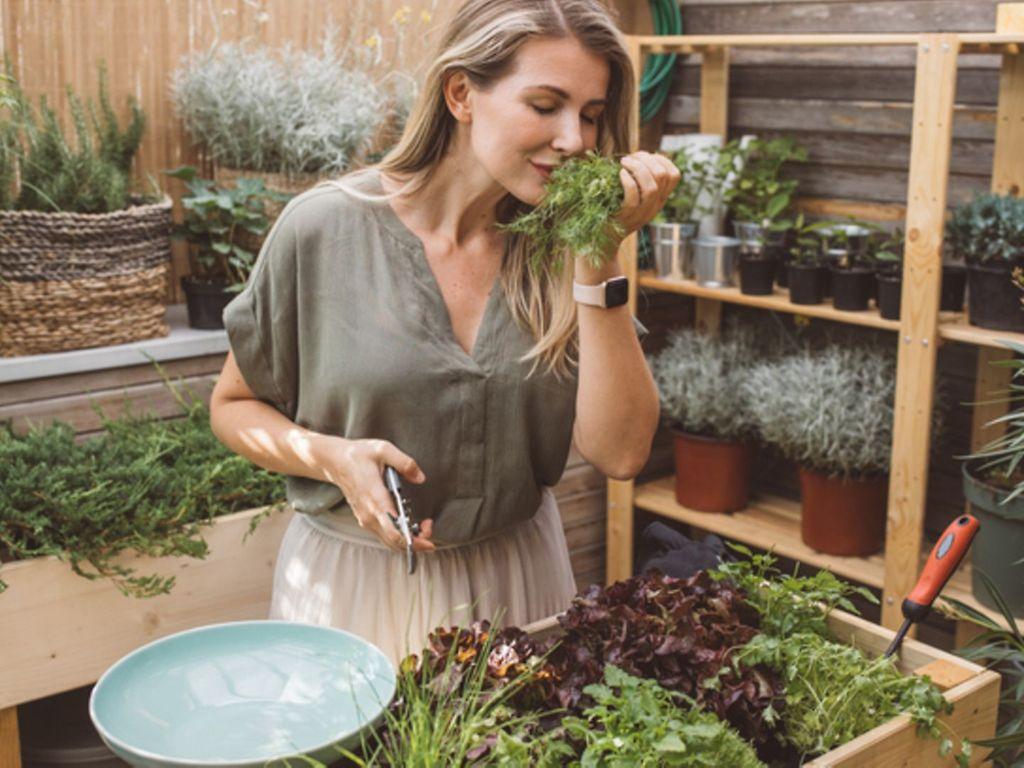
(613,292)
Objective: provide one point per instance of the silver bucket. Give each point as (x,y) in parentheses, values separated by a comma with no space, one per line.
(752,237)
(715,260)
(672,249)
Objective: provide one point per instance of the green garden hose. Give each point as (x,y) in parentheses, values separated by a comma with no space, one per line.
(655,85)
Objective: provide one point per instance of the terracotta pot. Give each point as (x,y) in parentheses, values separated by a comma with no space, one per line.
(712,475)
(843,516)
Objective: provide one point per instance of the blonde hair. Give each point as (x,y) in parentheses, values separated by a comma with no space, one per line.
(481,40)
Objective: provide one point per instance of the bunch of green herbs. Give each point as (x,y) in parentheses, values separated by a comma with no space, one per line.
(577,216)
(145,485)
(41,169)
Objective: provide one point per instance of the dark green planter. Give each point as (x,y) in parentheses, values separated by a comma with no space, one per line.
(999,543)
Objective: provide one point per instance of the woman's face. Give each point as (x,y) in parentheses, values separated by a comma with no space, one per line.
(544,111)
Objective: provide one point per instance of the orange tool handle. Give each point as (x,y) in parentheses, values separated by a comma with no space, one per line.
(946,555)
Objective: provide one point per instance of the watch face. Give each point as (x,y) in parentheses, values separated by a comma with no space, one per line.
(616,292)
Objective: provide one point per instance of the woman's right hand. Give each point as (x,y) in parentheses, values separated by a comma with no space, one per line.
(357,468)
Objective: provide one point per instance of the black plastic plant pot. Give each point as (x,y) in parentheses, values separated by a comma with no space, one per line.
(890,288)
(206,301)
(757,275)
(995,300)
(805,284)
(954,284)
(851,288)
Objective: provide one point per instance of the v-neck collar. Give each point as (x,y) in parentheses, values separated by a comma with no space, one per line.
(386,215)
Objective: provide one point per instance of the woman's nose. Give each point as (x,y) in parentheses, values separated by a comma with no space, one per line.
(569,141)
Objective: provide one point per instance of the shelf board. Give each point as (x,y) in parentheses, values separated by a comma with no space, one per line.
(771,522)
(974,42)
(956,328)
(777,301)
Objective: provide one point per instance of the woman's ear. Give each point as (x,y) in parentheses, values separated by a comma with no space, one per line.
(457,96)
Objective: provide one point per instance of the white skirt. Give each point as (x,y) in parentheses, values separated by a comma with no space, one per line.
(331,572)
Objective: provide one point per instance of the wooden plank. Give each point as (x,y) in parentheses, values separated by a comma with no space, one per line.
(945,674)
(868,57)
(886,118)
(95,381)
(62,631)
(878,185)
(619,563)
(922,260)
(77,410)
(974,87)
(714,92)
(777,301)
(856,209)
(10,746)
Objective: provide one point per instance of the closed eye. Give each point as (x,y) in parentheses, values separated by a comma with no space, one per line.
(549,110)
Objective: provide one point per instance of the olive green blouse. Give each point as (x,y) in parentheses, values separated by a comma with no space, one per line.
(343,329)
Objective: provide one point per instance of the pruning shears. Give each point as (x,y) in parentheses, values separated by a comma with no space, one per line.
(408,527)
(945,556)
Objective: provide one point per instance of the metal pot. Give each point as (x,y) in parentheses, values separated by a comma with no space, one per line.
(672,249)
(856,238)
(715,260)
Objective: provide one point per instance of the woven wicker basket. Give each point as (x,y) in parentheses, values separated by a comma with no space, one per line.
(78,280)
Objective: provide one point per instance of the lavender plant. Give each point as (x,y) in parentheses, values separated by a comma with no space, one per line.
(280,110)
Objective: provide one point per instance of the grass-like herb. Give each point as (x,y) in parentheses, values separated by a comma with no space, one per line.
(145,486)
(577,215)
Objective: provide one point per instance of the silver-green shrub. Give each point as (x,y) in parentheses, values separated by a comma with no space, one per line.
(829,410)
(279,110)
(699,380)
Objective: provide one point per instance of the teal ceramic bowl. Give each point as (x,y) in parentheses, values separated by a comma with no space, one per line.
(241,695)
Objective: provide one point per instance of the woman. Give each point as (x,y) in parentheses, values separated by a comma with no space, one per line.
(389,322)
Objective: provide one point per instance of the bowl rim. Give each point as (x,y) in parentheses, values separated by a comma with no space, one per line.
(107,736)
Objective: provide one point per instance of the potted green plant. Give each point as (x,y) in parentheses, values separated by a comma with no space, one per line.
(289,116)
(988,233)
(830,411)
(757,198)
(806,270)
(84,253)
(698,378)
(851,277)
(223,227)
(993,483)
(888,257)
(675,226)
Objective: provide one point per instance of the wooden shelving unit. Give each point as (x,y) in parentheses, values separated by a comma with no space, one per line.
(771,522)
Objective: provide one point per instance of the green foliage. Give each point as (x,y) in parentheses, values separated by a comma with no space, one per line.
(888,253)
(217,221)
(834,693)
(758,193)
(1000,647)
(809,240)
(1000,459)
(577,215)
(89,175)
(699,379)
(636,723)
(829,410)
(990,228)
(702,172)
(789,604)
(280,110)
(146,485)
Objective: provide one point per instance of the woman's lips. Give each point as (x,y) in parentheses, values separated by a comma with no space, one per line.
(543,170)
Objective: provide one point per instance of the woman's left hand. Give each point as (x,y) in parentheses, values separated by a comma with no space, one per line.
(647,180)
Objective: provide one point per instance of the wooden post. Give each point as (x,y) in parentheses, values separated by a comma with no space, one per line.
(714,118)
(930,147)
(619,510)
(1007,179)
(10,748)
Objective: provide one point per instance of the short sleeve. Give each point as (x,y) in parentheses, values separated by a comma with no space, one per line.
(262,320)
(641,329)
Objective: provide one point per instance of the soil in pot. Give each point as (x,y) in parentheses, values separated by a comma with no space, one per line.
(757,275)
(851,288)
(999,543)
(954,284)
(843,516)
(995,300)
(206,301)
(712,475)
(890,289)
(805,284)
